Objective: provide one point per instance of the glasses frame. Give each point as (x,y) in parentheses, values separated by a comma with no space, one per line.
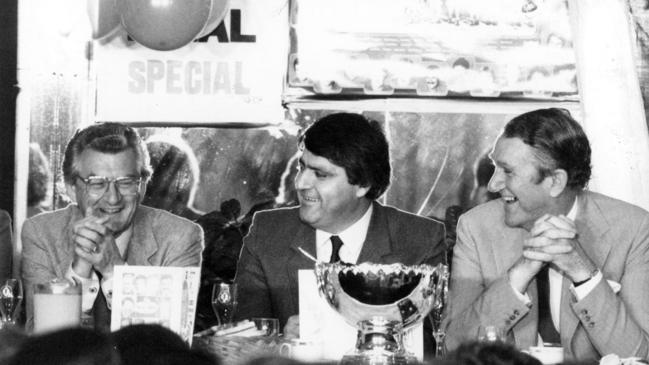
(114,181)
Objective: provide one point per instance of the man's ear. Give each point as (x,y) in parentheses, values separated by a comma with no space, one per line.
(559,181)
(361,191)
(72,192)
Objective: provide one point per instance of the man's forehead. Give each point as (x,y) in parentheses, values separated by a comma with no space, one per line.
(314,161)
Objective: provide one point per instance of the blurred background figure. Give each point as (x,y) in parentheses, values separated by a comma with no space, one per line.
(484,169)
(156,345)
(175,178)
(224,230)
(38,183)
(73,346)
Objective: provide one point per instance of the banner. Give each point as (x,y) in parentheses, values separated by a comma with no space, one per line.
(232,75)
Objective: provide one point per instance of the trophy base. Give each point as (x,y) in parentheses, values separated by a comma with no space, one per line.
(381,358)
(379,343)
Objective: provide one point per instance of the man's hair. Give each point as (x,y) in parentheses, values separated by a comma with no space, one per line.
(558,140)
(356,144)
(111,138)
(494,353)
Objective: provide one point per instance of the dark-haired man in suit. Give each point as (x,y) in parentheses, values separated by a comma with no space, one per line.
(343,169)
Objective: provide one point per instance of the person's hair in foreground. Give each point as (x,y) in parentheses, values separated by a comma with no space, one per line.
(156,345)
(74,346)
(111,138)
(356,144)
(558,140)
(491,353)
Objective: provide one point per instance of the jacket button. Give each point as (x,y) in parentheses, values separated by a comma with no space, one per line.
(591,325)
(93,290)
(512,317)
(584,311)
(507,322)
(516,312)
(587,318)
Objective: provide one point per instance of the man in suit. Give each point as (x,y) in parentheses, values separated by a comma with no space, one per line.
(343,169)
(106,168)
(550,261)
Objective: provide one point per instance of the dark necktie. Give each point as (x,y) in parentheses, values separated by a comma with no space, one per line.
(546,327)
(336,244)
(100,311)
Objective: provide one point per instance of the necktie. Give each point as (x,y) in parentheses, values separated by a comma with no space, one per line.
(546,327)
(336,243)
(100,312)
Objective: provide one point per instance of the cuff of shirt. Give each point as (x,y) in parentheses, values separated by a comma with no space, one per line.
(107,288)
(523,297)
(89,287)
(581,291)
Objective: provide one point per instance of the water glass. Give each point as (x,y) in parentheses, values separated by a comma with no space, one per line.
(11,296)
(269,326)
(490,333)
(224,302)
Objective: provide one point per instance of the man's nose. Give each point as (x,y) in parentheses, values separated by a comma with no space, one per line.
(112,194)
(497,181)
(303,180)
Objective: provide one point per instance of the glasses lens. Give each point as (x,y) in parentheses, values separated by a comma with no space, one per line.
(127,185)
(96,184)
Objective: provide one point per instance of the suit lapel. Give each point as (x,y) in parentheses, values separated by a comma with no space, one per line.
(591,226)
(143,245)
(377,247)
(305,239)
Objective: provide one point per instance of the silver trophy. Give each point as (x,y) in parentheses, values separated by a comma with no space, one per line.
(381,301)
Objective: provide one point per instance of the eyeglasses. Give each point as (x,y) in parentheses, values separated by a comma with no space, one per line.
(98,185)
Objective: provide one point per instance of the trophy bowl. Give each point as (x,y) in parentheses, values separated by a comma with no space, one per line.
(381,300)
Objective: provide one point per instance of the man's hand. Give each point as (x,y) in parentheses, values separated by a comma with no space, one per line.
(554,240)
(292,327)
(94,246)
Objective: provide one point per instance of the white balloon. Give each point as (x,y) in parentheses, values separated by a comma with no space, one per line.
(217,12)
(104,17)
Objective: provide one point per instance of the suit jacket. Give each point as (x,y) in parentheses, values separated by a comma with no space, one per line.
(269,263)
(613,234)
(159,238)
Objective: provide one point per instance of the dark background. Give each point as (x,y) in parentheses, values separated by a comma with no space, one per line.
(8,93)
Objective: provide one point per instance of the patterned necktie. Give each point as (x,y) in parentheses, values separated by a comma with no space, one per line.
(336,244)
(546,327)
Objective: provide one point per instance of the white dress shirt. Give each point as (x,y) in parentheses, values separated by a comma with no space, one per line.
(353,238)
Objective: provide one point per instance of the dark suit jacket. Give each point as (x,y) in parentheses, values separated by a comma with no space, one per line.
(270,259)
(613,234)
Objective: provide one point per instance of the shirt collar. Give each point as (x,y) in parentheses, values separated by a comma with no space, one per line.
(572,214)
(353,236)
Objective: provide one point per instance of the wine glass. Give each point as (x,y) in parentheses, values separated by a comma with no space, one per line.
(490,333)
(11,295)
(224,302)
(440,298)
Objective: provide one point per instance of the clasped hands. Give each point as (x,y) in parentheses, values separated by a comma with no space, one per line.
(94,246)
(552,240)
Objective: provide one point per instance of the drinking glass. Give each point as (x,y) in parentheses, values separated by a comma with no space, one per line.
(490,333)
(11,295)
(224,302)
(440,300)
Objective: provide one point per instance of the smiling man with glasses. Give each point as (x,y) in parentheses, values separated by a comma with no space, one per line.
(105,167)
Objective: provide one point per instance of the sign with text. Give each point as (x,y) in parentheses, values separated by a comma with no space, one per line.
(155,295)
(232,75)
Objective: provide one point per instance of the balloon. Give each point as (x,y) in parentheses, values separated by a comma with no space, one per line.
(104,17)
(217,13)
(164,25)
